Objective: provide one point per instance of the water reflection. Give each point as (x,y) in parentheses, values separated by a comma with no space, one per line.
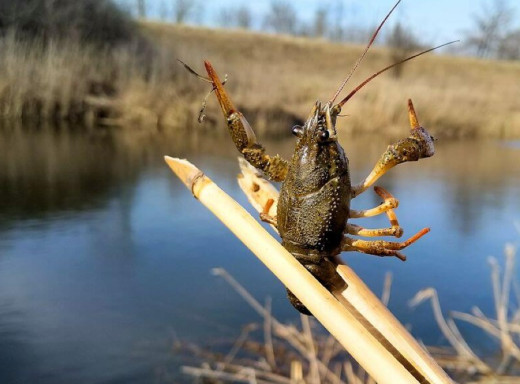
(104,256)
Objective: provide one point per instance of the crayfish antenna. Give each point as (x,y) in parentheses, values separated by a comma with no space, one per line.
(193,72)
(206,79)
(330,127)
(372,39)
(349,96)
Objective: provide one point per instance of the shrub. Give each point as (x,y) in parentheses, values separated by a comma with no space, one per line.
(93,21)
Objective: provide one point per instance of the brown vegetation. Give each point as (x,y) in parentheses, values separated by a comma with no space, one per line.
(274,79)
(285,354)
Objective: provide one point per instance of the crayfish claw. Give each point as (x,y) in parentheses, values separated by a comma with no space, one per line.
(418,145)
(274,167)
(414,122)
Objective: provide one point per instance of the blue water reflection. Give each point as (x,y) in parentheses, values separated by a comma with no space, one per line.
(105,257)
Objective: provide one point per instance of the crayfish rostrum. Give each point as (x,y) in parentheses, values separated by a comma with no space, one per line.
(313,208)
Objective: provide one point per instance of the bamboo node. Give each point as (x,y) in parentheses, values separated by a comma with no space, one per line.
(194,181)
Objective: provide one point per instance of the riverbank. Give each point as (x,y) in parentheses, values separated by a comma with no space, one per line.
(274,80)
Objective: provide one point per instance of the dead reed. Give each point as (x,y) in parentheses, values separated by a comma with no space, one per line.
(504,326)
(273,352)
(132,85)
(287,353)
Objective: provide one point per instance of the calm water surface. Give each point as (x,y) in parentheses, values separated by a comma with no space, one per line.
(105,257)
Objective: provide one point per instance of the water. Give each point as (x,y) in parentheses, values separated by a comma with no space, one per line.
(105,257)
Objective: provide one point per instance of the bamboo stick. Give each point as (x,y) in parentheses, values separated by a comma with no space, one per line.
(368,305)
(340,318)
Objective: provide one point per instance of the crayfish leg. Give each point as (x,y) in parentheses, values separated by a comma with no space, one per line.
(243,135)
(353,229)
(388,205)
(265,216)
(380,247)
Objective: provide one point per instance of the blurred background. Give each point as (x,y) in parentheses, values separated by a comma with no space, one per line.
(105,258)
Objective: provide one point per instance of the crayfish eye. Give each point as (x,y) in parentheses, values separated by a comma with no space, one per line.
(297,130)
(324,135)
(336,110)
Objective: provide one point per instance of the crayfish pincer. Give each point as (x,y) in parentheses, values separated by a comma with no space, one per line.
(313,207)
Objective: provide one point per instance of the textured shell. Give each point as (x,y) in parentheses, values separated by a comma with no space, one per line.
(314,200)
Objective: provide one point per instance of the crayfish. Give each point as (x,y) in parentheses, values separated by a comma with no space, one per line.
(313,208)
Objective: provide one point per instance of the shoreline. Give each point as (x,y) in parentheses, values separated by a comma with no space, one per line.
(274,80)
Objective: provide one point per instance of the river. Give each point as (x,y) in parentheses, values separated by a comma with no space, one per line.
(105,257)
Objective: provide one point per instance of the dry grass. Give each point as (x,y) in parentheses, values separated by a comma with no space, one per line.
(65,82)
(504,326)
(288,354)
(456,96)
(38,80)
(273,79)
